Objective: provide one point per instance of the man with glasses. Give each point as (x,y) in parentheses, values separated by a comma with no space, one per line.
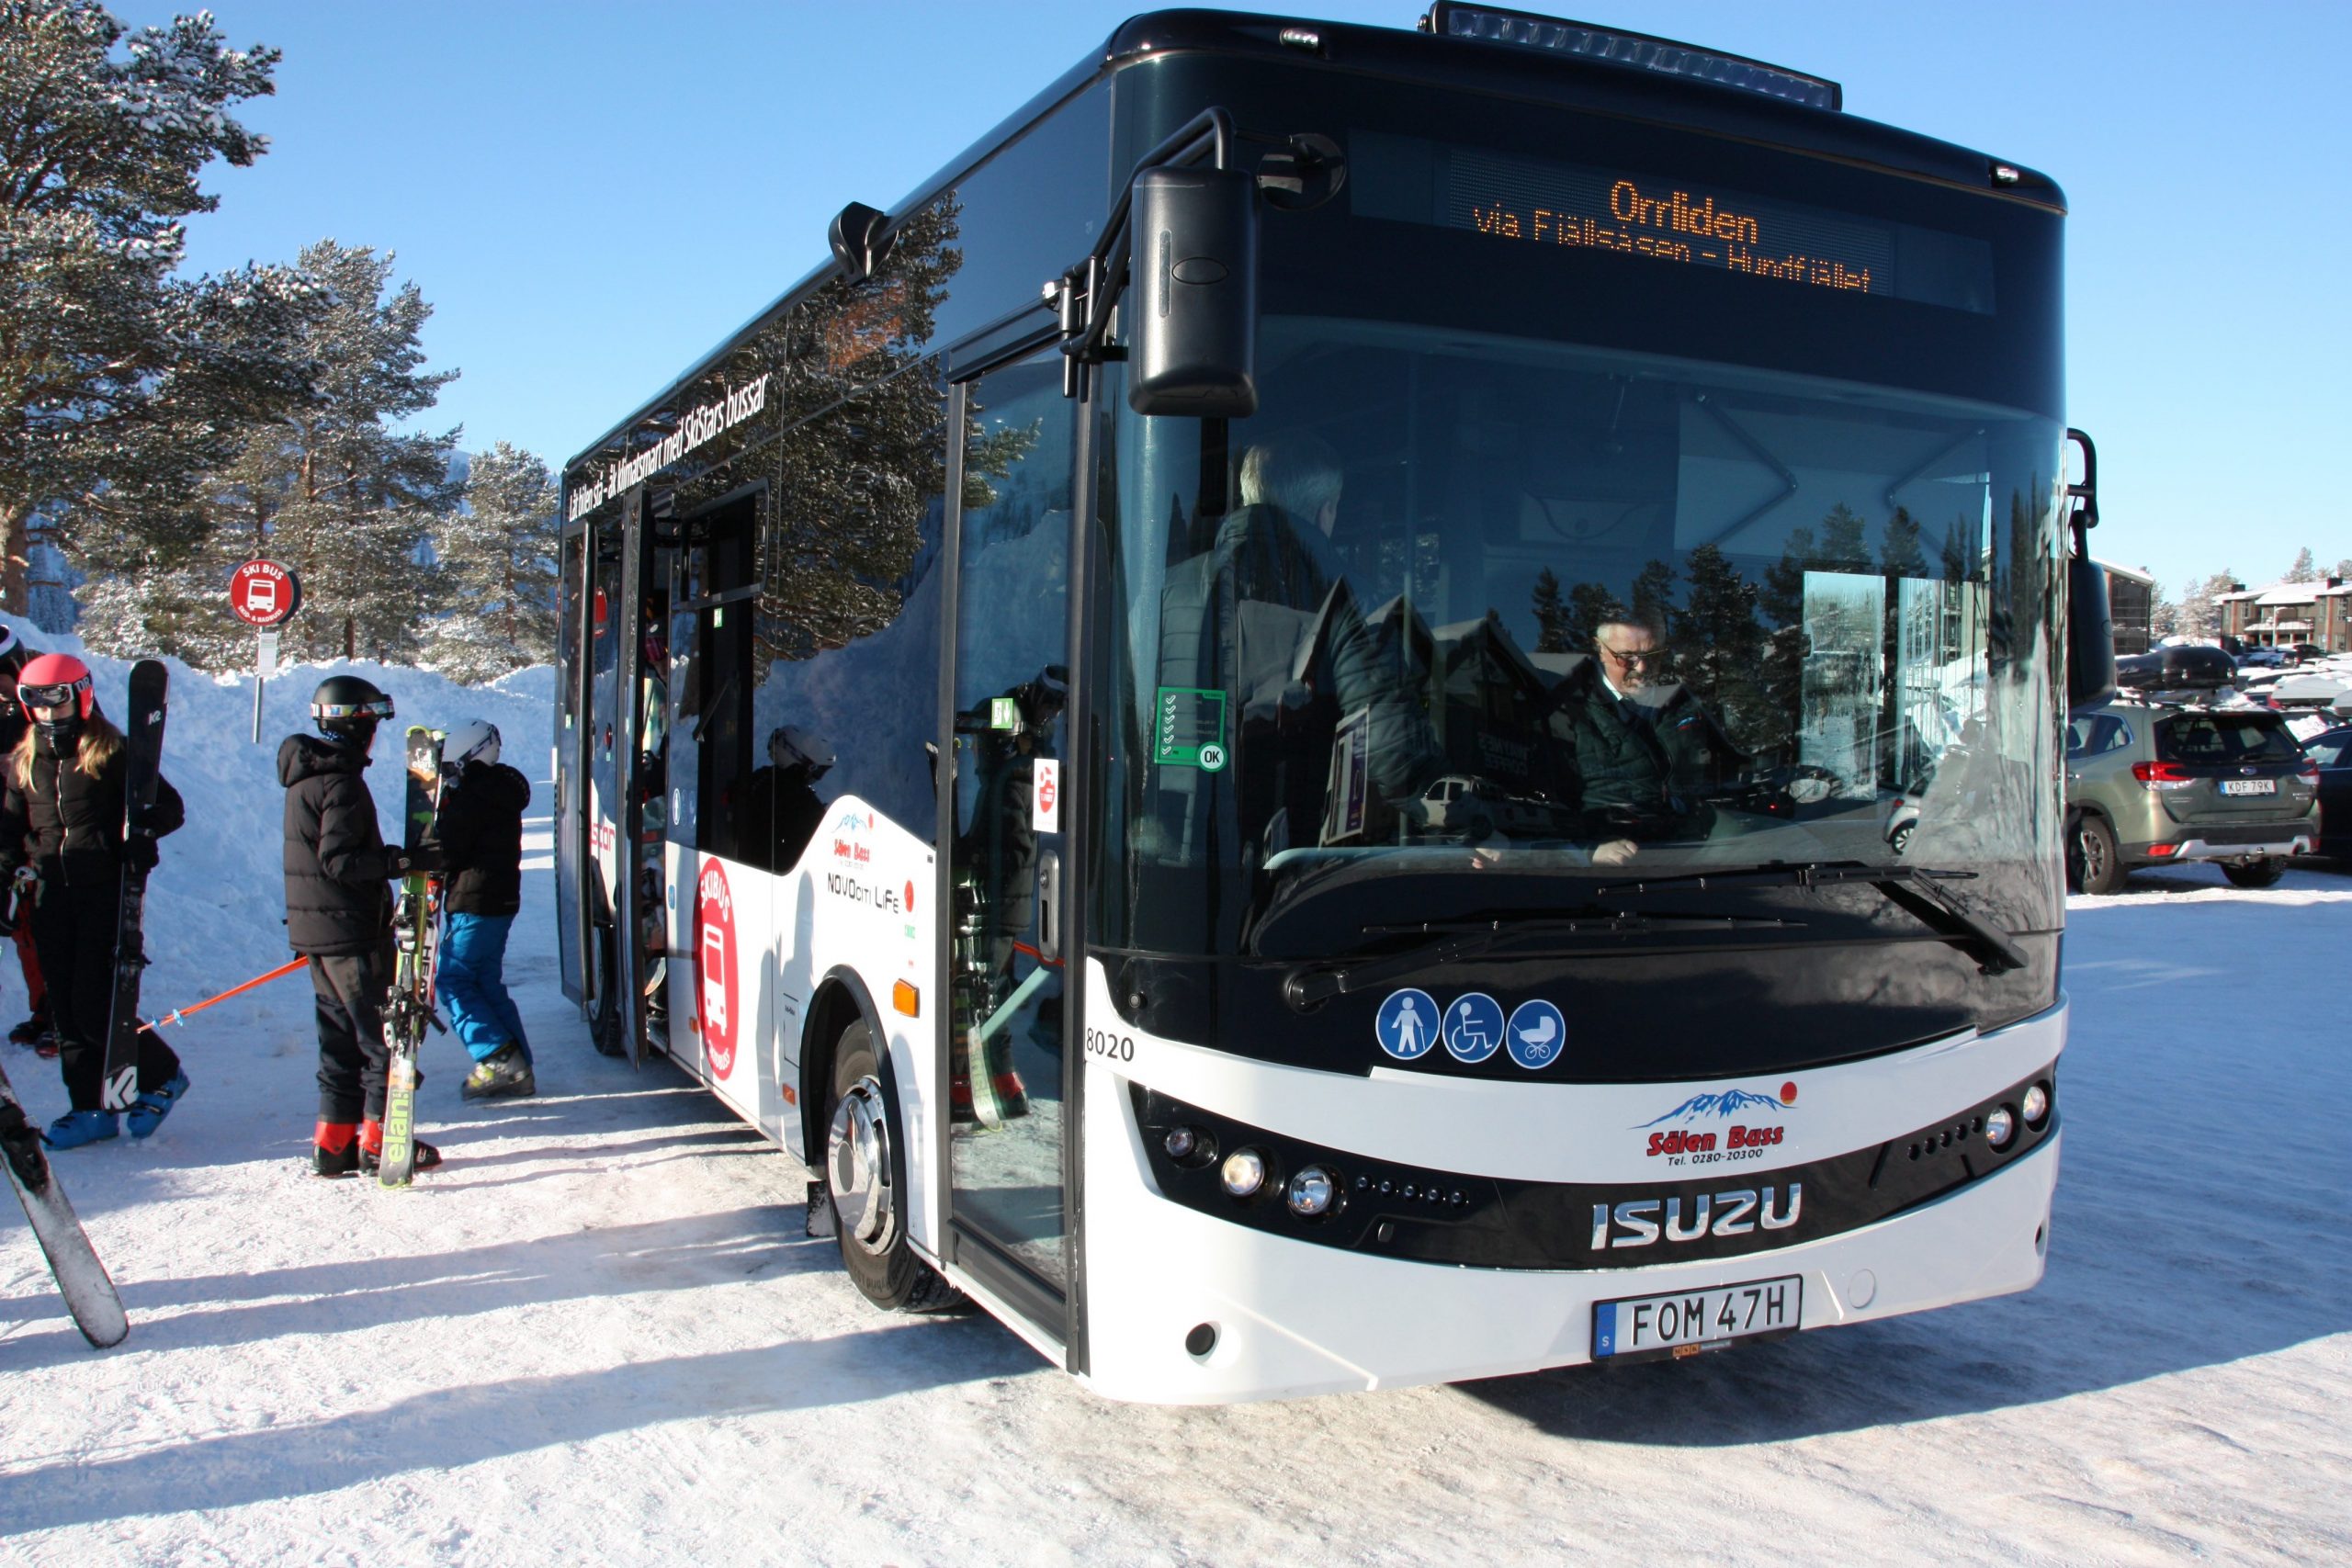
(1648,750)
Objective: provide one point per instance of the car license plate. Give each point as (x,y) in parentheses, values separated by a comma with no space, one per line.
(1683,1322)
(2249,786)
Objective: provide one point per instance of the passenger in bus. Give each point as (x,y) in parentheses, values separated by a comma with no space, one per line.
(781,811)
(1266,615)
(1648,752)
(478,829)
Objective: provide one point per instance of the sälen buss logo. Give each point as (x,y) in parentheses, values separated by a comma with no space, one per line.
(714,953)
(1740,1102)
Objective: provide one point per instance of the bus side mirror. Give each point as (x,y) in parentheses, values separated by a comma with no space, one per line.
(1192,335)
(2091,620)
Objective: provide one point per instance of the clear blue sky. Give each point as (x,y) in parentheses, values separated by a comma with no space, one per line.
(592,193)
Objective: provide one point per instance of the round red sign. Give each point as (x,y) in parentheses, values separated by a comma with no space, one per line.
(263,593)
(714,960)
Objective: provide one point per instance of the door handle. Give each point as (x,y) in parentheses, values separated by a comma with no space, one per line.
(1049,906)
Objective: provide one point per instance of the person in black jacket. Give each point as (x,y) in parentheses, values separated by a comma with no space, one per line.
(36,1030)
(479,828)
(63,814)
(339,915)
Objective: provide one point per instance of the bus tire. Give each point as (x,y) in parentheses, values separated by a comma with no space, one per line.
(2102,863)
(864,1179)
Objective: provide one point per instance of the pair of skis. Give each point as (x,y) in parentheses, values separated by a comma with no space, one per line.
(416,936)
(88,1291)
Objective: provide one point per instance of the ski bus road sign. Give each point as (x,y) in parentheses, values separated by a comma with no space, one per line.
(263,594)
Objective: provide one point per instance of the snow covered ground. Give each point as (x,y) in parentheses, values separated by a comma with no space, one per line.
(597,1335)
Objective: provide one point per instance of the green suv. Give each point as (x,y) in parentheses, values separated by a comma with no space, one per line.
(2154,784)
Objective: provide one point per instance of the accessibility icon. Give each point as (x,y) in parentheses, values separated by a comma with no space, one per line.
(1474,1027)
(1537,1033)
(1407,1024)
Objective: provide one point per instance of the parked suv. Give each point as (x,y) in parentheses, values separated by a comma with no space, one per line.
(2156,783)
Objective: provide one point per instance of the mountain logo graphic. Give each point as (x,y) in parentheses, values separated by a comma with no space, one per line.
(1731,1102)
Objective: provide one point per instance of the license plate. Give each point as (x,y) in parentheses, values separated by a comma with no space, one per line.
(2249,786)
(1683,1322)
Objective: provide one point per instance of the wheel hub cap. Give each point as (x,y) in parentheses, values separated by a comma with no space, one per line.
(858,1166)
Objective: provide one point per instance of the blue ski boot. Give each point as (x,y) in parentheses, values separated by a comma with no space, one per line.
(147,1112)
(75,1128)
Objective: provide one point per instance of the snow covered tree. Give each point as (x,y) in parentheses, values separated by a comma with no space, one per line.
(2199,614)
(2344,568)
(2305,570)
(498,573)
(117,378)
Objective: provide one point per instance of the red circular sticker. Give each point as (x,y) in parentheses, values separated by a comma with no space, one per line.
(263,593)
(715,961)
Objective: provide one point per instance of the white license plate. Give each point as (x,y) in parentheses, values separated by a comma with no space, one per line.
(1686,1322)
(2249,786)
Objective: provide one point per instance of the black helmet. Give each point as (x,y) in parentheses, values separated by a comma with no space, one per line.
(345,708)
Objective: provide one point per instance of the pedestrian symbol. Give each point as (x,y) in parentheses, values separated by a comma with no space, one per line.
(1407,1024)
(1474,1027)
(1537,1033)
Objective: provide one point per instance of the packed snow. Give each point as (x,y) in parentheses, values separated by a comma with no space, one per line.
(598,1334)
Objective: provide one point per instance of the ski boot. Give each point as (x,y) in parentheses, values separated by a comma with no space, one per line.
(31,1031)
(371,1149)
(147,1112)
(75,1128)
(335,1149)
(505,1071)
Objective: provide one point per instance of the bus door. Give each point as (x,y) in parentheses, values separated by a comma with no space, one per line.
(624,690)
(1010,1069)
(609,674)
(573,929)
(711,810)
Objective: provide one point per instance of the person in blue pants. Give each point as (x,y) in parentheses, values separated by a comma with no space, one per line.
(478,826)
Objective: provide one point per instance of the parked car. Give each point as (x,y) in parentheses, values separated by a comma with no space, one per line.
(2330,752)
(2175,667)
(2305,652)
(2153,784)
(2263,658)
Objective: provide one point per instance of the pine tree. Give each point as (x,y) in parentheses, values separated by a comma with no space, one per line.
(2199,614)
(116,379)
(1550,613)
(2305,570)
(1899,553)
(1591,606)
(498,573)
(1720,648)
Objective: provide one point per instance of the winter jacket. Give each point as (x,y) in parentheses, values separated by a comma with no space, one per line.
(69,825)
(1647,761)
(338,894)
(479,830)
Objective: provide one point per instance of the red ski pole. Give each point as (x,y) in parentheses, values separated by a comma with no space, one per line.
(179,1015)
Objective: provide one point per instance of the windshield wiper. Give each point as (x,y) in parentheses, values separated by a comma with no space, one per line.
(1916,889)
(1310,985)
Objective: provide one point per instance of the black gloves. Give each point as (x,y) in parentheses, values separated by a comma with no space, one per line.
(139,852)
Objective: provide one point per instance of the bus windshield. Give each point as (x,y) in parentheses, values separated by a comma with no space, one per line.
(1465,603)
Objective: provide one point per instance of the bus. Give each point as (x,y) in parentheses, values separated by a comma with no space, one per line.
(1361,706)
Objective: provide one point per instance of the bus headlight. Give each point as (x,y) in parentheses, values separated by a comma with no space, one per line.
(2000,1126)
(1243,1173)
(1190,1146)
(1312,1192)
(2037,1105)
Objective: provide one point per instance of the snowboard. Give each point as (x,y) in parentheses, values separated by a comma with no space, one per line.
(81,1277)
(416,936)
(142,753)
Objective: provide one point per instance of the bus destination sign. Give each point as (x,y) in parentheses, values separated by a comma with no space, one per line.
(1671,225)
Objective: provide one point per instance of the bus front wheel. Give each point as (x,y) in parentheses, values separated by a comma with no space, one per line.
(864,1180)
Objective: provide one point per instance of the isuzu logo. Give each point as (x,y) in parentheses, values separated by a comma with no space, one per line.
(1639,1222)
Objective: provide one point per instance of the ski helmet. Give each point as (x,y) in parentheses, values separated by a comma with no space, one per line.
(476,740)
(56,680)
(793,747)
(345,708)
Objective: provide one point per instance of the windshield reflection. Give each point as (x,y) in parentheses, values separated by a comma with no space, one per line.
(1490,603)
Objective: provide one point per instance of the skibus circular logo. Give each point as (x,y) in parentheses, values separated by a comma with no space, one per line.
(715,961)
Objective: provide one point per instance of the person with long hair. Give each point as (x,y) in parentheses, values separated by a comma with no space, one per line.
(34,1029)
(62,811)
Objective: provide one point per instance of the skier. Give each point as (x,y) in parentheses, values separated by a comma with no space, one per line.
(339,915)
(64,794)
(478,829)
(35,1030)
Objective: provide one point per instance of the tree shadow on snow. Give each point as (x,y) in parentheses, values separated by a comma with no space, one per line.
(446,1429)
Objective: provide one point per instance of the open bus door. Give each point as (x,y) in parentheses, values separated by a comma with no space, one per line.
(574,931)
(617,777)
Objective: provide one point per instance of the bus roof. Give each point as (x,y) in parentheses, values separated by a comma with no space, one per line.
(1401,54)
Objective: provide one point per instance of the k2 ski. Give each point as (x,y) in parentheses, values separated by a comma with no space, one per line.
(143,752)
(416,937)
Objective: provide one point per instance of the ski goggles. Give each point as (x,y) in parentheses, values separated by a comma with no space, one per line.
(63,694)
(380,707)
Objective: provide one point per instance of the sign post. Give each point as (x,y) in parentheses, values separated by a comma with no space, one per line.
(263,594)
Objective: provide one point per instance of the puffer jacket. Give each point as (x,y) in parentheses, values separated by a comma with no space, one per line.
(1652,768)
(69,825)
(338,871)
(479,828)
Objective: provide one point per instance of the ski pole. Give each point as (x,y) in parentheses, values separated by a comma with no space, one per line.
(179,1015)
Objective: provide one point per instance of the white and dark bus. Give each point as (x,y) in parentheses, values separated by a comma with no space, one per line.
(1362,706)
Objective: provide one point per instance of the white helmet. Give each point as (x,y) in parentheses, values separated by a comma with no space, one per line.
(476,740)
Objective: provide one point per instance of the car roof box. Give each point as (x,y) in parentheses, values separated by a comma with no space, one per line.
(2189,667)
